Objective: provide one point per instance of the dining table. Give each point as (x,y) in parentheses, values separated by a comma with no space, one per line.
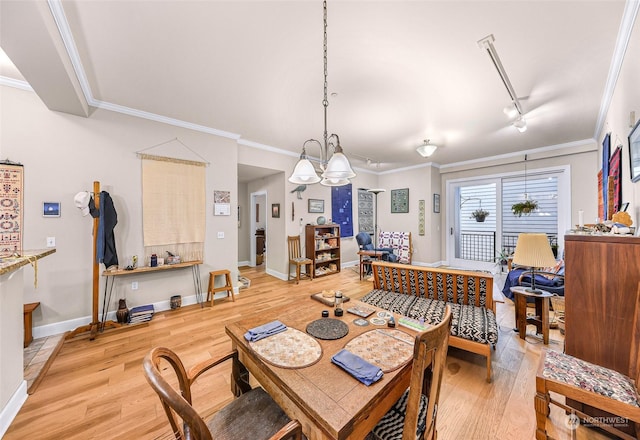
(295,368)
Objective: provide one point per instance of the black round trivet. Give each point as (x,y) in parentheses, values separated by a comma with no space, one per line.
(327,328)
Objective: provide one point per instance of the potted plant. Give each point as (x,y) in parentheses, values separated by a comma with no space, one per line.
(526,207)
(502,259)
(480,215)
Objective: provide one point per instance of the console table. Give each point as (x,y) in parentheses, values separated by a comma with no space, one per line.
(194,265)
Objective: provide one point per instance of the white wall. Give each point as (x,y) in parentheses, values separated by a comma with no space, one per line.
(626,99)
(63,154)
(423,182)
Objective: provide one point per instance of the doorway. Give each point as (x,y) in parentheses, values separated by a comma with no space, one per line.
(258,223)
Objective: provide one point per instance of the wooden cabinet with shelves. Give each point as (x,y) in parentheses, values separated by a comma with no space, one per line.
(322,246)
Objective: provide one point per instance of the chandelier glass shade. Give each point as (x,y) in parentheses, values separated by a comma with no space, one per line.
(335,170)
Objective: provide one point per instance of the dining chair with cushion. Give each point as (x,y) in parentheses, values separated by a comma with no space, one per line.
(252,415)
(592,386)
(296,259)
(413,416)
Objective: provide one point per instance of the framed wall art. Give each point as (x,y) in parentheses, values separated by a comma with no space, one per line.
(51,209)
(436,203)
(275,210)
(634,152)
(420,217)
(400,200)
(316,206)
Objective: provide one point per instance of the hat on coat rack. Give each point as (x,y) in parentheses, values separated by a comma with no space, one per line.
(85,203)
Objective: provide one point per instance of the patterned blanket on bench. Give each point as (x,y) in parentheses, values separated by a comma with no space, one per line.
(467,321)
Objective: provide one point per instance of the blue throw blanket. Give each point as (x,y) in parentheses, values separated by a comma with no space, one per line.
(541,281)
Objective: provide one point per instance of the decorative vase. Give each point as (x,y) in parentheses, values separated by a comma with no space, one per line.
(175,302)
(122,314)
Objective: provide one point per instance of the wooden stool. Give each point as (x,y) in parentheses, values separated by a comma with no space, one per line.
(228,286)
(28,322)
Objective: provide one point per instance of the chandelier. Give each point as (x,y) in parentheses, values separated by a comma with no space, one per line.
(335,170)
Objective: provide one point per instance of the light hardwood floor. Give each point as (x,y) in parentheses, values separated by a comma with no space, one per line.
(96,389)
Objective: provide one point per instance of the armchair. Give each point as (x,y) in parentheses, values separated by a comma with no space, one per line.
(551,279)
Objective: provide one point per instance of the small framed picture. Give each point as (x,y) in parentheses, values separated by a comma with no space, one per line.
(51,209)
(316,206)
(436,203)
(275,210)
(400,200)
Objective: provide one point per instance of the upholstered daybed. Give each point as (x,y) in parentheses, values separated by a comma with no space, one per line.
(423,292)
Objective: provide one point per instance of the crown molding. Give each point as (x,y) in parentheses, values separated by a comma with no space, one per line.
(16,83)
(581,143)
(622,43)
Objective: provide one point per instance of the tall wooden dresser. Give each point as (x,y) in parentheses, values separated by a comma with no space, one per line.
(601,281)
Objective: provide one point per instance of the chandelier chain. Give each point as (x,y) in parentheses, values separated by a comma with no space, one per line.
(325,101)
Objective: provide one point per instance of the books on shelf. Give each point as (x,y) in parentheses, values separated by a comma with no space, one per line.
(141,314)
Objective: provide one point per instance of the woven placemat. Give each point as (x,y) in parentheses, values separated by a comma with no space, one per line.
(289,349)
(328,328)
(385,348)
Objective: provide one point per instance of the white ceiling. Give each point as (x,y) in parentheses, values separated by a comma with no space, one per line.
(403,71)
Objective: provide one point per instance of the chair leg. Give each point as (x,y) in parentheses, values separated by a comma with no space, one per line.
(289,273)
(297,273)
(541,404)
(489,366)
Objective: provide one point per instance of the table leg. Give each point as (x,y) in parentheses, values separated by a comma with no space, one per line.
(521,315)
(538,318)
(239,378)
(544,318)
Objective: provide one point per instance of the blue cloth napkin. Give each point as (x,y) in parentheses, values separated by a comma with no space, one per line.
(357,367)
(265,330)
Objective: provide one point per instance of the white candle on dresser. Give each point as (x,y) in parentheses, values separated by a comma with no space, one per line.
(581,218)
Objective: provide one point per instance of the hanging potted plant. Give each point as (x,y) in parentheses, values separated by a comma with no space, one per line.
(480,215)
(526,207)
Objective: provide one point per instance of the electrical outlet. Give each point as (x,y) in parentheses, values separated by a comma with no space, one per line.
(134,285)
(220,234)
(51,241)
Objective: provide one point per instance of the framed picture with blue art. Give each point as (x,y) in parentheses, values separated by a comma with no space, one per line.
(51,209)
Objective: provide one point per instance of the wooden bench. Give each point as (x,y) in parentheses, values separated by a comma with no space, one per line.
(28,322)
(423,292)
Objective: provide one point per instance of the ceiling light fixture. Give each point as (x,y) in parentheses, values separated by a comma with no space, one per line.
(336,170)
(426,149)
(520,123)
(515,109)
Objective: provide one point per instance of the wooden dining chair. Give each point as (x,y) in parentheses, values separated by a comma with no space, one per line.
(252,415)
(413,416)
(594,386)
(296,259)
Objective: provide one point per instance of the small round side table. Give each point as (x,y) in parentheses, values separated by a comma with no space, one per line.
(541,320)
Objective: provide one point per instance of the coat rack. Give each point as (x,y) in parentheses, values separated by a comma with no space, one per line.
(95,324)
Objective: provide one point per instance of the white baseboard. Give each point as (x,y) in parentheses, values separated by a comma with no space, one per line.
(279,275)
(244,263)
(72,324)
(11,409)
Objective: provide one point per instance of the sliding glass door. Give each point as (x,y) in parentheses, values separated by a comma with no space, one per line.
(481,223)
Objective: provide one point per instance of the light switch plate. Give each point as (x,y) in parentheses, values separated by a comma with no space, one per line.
(220,234)
(51,241)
